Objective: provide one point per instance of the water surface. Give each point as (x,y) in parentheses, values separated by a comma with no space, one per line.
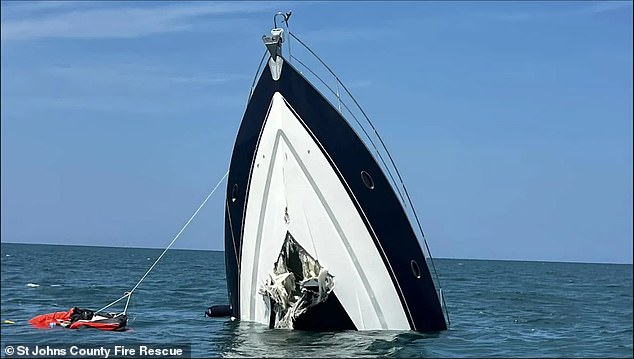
(497,308)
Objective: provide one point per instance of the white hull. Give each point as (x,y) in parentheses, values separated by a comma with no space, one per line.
(294,189)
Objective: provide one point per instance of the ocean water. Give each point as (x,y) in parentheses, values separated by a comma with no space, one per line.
(497,308)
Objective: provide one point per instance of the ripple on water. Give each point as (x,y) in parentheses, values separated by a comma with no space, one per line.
(508,309)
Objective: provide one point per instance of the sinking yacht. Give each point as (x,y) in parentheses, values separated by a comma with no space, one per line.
(317,237)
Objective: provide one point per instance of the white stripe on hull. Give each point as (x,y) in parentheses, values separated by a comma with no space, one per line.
(291,175)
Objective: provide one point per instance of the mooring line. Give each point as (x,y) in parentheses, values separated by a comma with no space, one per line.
(129,293)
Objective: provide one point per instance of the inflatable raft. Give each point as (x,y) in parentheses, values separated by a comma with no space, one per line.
(76,318)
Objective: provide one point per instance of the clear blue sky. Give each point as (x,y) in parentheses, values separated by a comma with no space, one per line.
(511,122)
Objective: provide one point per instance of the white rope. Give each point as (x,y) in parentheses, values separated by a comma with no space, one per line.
(113,303)
(128,294)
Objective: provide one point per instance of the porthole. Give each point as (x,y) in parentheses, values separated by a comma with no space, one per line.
(415,269)
(367,180)
(234,193)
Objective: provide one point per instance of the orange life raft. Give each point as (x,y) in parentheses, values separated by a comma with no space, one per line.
(76,318)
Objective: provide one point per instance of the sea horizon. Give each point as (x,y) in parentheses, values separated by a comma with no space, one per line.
(222,250)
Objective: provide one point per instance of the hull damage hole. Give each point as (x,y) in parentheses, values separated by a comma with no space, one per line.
(367,180)
(415,269)
(234,193)
(297,284)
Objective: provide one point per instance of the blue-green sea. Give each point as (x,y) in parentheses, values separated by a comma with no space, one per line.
(497,308)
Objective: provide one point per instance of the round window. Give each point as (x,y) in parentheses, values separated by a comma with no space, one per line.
(367,180)
(415,269)
(234,193)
